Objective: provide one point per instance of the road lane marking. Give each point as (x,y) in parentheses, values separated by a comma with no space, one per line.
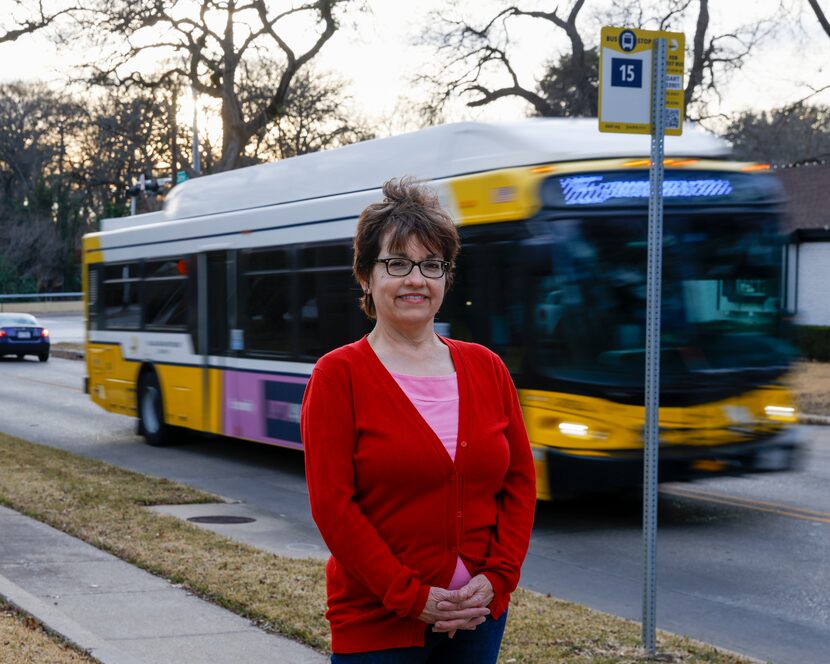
(750,503)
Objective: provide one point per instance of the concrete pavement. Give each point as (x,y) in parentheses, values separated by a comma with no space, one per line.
(121,614)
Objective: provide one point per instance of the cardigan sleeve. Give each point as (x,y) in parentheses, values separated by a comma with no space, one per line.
(327,424)
(516,500)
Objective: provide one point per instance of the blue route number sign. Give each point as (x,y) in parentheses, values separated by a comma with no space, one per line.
(626,73)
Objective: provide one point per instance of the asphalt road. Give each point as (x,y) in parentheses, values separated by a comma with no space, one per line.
(63,327)
(742,563)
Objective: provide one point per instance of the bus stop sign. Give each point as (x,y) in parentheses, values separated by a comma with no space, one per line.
(625,75)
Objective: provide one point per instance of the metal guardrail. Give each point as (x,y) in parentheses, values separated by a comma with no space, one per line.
(41,297)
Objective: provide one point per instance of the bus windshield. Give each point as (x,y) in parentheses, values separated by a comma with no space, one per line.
(721,299)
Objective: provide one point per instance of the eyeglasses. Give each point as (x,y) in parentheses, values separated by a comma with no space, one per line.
(431,268)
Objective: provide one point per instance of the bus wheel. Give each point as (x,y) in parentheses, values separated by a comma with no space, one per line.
(151,422)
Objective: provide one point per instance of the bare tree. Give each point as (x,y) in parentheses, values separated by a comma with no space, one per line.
(34,245)
(472,54)
(477,66)
(714,57)
(23,17)
(210,50)
(315,117)
(26,149)
(63,165)
(127,134)
(31,255)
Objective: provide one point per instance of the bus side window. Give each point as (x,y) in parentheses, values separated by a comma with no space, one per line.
(165,294)
(329,315)
(487,301)
(121,301)
(264,289)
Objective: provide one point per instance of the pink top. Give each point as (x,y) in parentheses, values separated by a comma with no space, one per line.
(436,398)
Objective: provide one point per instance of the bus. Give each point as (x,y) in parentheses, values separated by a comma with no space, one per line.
(210,314)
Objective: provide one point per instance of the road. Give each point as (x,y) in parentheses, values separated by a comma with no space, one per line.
(742,562)
(68,328)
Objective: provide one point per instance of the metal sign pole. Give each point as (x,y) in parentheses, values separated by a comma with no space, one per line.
(652,383)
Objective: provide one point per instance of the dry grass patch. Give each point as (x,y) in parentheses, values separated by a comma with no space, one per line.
(104,506)
(24,641)
(68,345)
(810,383)
(542,630)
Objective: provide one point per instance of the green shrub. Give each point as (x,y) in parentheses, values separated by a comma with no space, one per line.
(814,341)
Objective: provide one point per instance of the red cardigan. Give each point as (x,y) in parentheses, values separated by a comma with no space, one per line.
(394,509)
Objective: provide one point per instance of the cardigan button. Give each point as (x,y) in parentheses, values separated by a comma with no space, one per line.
(458,514)
(455,549)
(463,443)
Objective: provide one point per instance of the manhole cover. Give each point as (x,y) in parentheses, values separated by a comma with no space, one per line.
(221,519)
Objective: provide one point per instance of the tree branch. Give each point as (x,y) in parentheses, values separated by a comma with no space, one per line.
(820,16)
(27,27)
(272,110)
(488,96)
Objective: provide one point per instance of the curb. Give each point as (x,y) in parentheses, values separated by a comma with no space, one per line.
(67,629)
(67,354)
(805,418)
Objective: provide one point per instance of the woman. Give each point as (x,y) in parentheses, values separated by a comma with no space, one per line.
(419,469)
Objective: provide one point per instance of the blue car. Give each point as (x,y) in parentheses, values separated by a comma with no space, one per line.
(21,335)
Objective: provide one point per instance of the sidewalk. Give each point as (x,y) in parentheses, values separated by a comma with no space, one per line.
(119,613)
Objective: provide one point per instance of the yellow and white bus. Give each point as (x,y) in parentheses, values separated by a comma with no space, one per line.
(210,314)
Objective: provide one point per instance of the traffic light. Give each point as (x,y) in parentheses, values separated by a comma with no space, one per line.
(151,186)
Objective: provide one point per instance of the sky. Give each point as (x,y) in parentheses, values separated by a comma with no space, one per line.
(379,55)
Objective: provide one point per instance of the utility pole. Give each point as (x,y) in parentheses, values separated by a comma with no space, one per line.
(174,135)
(197,168)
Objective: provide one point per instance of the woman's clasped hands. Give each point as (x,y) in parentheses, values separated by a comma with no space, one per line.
(464,608)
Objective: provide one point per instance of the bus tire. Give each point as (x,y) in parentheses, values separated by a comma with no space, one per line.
(151,422)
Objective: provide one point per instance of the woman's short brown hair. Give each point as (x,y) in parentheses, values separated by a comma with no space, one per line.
(409,211)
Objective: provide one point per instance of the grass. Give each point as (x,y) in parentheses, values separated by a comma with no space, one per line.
(104,506)
(24,641)
(69,345)
(810,383)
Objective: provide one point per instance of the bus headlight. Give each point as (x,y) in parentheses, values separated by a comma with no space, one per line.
(779,412)
(571,429)
(580,431)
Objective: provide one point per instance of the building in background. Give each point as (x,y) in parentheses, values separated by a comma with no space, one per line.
(808,263)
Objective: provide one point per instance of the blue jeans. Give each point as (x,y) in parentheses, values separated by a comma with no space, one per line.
(479,646)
